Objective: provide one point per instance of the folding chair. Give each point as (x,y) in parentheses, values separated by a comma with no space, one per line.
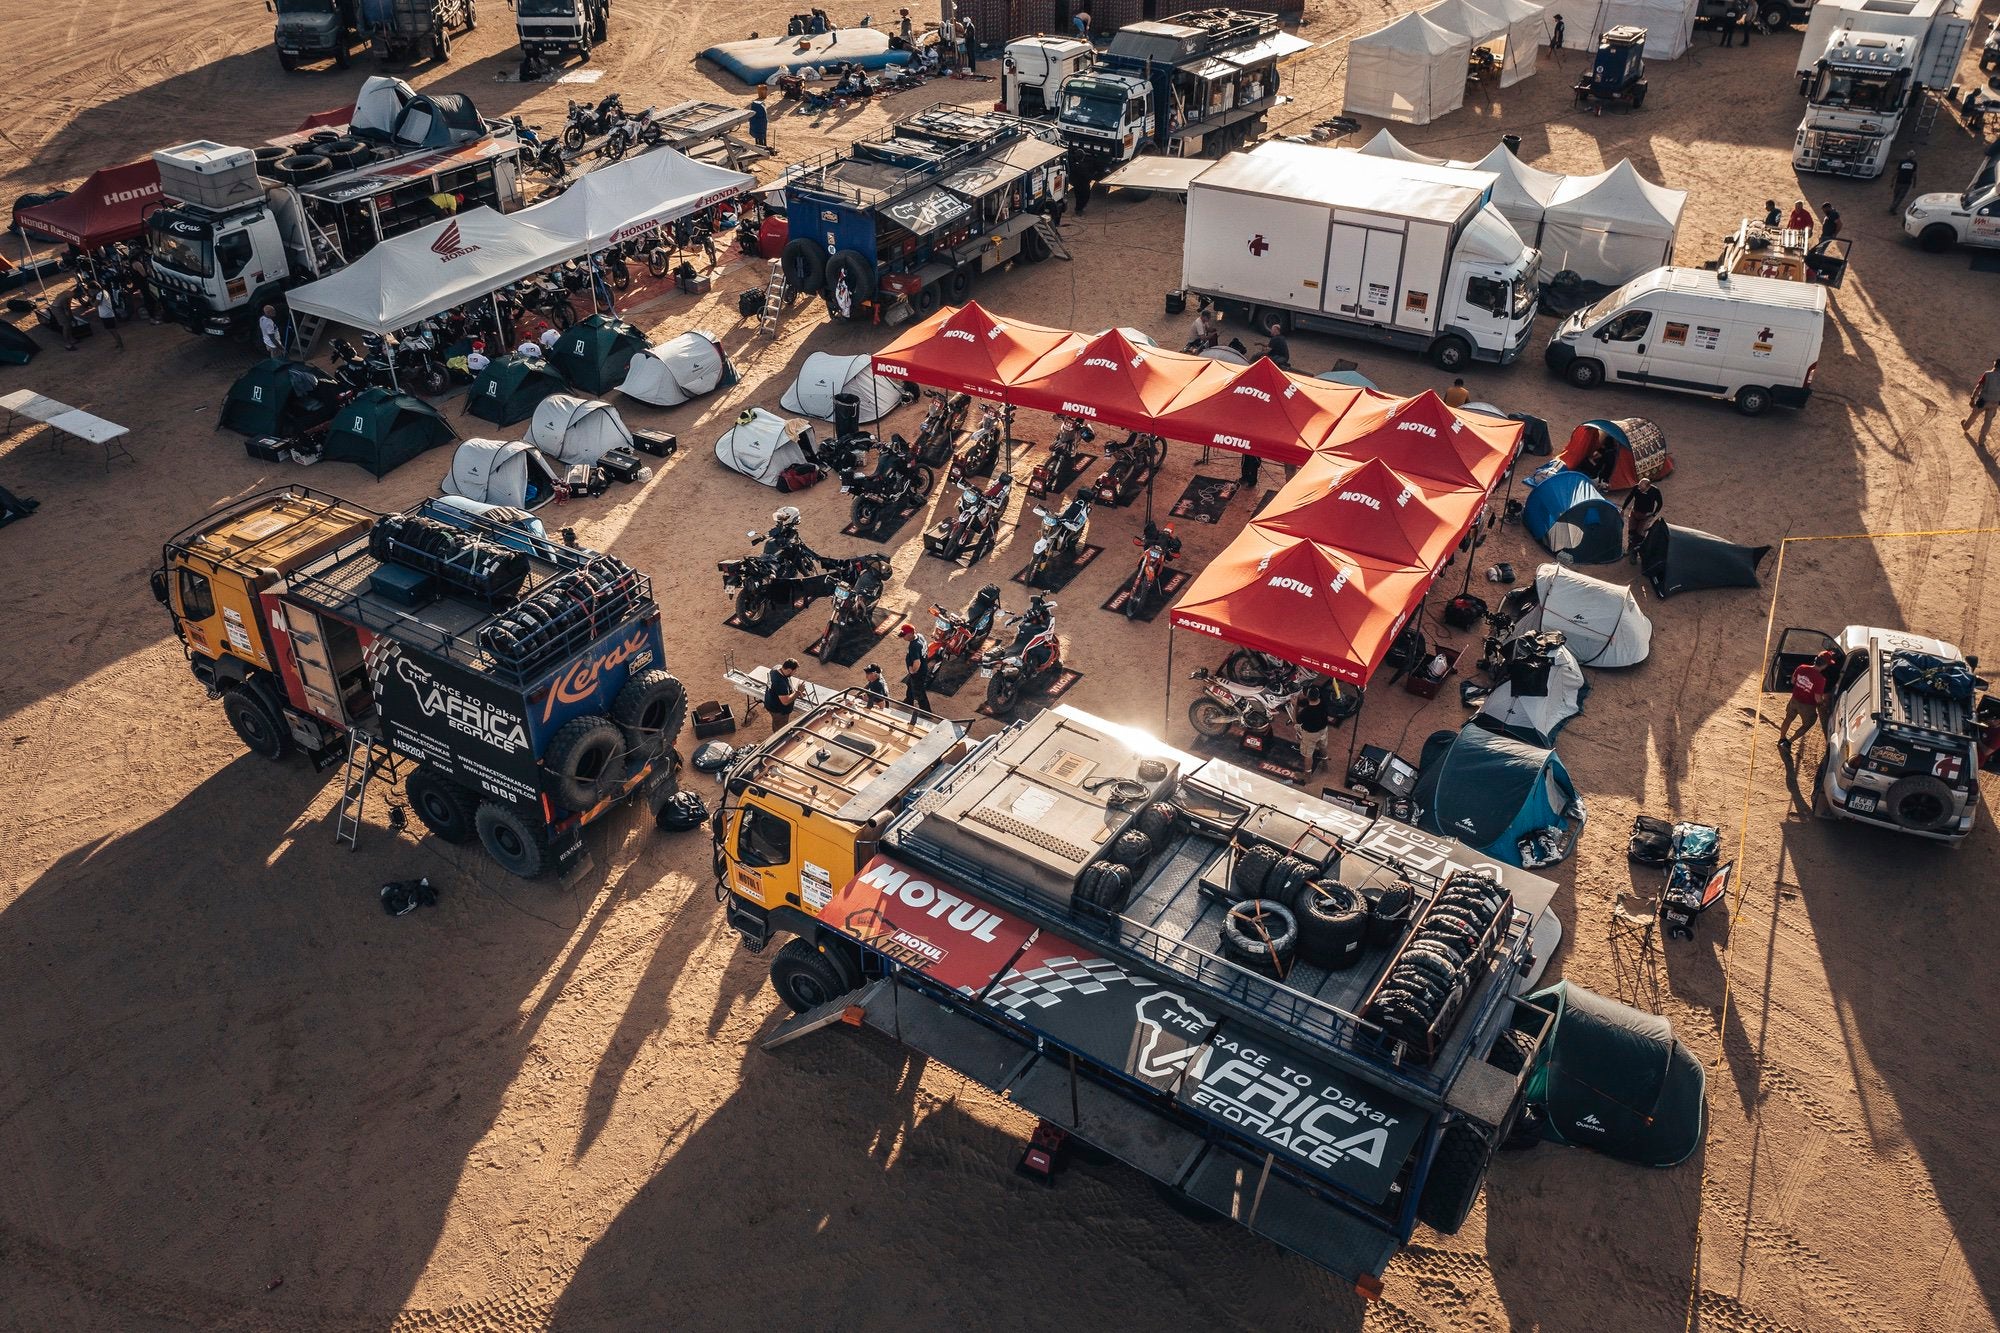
(1633,924)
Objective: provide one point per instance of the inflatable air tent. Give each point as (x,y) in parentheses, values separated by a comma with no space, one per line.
(501,472)
(594,355)
(508,389)
(1638,449)
(381,431)
(1536,718)
(824,374)
(1573,521)
(1687,560)
(761,445)
(1490,790)
(678,370)
(758,59)
(1602,621)
(1615,1079)
(277,397)
(577,430)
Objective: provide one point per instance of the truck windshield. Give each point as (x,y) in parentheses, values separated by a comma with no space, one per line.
(1858,90)
(547,9)
(183,253)
(1095,110)
(305,6)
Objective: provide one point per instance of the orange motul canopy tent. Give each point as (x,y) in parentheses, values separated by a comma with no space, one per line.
(1108,380)
(1369,510)
(1421,437)
(1256,409)
(966,350)
(1302,601)
(111,206)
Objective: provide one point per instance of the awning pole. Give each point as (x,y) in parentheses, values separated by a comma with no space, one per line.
(1167,704)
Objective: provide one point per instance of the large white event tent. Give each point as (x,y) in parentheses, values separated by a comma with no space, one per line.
(1611,227)
(1522,193)
(1517,23)
(461,258)
(1412,71)
(1385,144)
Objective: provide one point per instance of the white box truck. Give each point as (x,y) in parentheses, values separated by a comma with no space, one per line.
(1863,64)
(1753,341)
(1368,247)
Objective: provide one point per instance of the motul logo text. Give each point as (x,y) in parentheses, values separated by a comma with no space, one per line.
(1079,409)
(960,333)
(1418,426)
(1103,362)
(1294,585)
(1249,392)
(1362,498)
(1233,441)
(937,903)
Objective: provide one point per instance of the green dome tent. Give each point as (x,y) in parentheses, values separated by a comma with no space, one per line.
(381,431)
(276,397)
(17,346)
(1613,1078)
(594,355)
(509,388)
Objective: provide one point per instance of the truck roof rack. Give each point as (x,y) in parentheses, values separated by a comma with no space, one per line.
(917,150)
(851,757)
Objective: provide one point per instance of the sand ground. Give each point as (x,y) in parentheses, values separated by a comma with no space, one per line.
(233,1094)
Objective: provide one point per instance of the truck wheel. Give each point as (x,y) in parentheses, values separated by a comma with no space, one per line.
(1585,373)
(515,845)
(471,16)
(804,265)
(1775,17)
(1511,1051)
(1260,934)
(1937,238)
(1919,802)
(957,285)
(1034,245)
(1265,316)
(583,761)
(1451,353)
(1752,399)
(650,710)
(441,45)
(860,276)
(583,50)
(805,978)
(926,299)
(1456,1174)
(448,810)
(1209,718)
(254,713)
(1333,923)
(1253,867)
(1639,95)
(287,60)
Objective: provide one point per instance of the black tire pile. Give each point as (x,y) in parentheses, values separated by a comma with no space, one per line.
(1287,908)
(1107,882)
(1438,958)
(486,570)
(580,603)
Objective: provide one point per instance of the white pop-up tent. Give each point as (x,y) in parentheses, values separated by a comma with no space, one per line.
(1602,621)
(678,370)
(570,429)
(1385,144)
(761,445)
(1537,718)
(1669,24)
(420,273)
(825,374)
(632,196)
(1611,227)
(501,472)
(1411,71)
(1527,29)
(1522,193)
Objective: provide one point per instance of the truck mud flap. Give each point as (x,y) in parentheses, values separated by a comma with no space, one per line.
(1282,1213)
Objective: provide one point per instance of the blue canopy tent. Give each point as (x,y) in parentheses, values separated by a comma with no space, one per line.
(1570,517)
(1491,790)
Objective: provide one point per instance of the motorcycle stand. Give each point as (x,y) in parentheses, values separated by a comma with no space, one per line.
(1262,750)
(1069,477)
(1176,580)
(1063,575)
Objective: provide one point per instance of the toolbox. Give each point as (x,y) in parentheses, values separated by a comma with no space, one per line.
(267,448)
(658,443)
(713,718)
(621,464)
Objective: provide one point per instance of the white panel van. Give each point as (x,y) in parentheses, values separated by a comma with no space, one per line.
(1754,341)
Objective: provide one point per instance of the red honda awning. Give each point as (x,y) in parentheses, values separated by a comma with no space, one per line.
(1108,380)
(338,116)
(1421,437)
(967,350)
(1257,409)
(111,206)
(1302,601)
(1367,509)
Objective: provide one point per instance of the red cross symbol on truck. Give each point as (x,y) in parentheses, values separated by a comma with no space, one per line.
(1258,245)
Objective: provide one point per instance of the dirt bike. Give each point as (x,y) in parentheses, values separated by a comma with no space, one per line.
(898,482)
(1061,541)
(641,129)
(1149,580)
(975,525)
(856,589)
(1132,464)
(981,453)
(1052,473)
(1034,661)
(785,571)
(959,638)
(586,121)
(1223,704)
(941,424)
(408,362)
(688,234)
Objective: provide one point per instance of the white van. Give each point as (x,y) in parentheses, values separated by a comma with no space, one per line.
(1754,341)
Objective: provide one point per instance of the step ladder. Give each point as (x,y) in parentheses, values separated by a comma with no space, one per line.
(1927,114)
(365,755)
(774,300)
(1054,239)
(305,334)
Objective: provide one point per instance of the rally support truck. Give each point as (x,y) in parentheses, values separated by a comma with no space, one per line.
(550,29)
(522,682)
(1902,718)
(1862,66)
(898,223)
(1057,912)
(315,30)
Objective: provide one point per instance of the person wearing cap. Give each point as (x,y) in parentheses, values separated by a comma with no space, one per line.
(1809,689)
(476,360)
(873,674)
(781,693)
(915,668)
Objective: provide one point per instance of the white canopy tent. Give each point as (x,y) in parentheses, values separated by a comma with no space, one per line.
(1611,227)
(760,446)
(1412,71)
(1522,193)
(1538,718)
(1602,621)
(1385,144)
(634,195)
(501,472)
(678,370)
(430,270)
(1526,30)
(825,374)
(1669,24)
(577,430)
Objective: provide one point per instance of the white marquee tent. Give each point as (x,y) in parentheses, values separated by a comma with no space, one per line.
(501,472)
(678,370)
(570,429)
(825,374)
(1412,71)
(1522,193)
(1519,24)
(760,446)
(1611,227)
(634,195)
(1669,24)
(430,270)
(1385,144)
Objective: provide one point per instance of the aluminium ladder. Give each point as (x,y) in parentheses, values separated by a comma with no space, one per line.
(366,754)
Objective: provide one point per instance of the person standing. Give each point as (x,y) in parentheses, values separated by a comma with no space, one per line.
(267,332)
(1773,215)
(1809,685)
(1906,176)
(916,669)
(107,315)
(1556,38)
(1279,349)
(1642,506)
(1729,17)
(969,39)
(1829,223)
(1085,183)
(760,118)
(904,27)
(1985,398)
(62,312)
(1457,395)
(1801,219)
(781,693)
(872,673)
(1082,25)
(1312,720)
(1746,19)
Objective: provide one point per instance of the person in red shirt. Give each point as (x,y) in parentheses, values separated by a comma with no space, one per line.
(1801,218)
(1809,686)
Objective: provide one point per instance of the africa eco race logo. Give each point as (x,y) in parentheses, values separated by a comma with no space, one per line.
(449,245)
(1171,1039)
(462,712)
(1292,1109)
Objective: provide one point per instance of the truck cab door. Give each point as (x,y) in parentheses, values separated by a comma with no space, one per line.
(764,848)
(1796,647)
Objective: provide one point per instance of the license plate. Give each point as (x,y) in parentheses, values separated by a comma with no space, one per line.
(846,490)
(1864,804)
(985,672)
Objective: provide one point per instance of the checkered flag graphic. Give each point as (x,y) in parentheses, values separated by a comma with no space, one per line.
(1054,980)
(377,657)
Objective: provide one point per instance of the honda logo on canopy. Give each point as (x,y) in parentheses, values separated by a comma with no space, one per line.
(449,245)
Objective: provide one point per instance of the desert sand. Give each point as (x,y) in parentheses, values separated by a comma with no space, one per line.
(234,1094)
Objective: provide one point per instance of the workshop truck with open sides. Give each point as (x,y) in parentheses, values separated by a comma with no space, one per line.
(1058,912)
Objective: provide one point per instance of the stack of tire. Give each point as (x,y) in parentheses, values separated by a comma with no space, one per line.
(1107,882)
(1433,966)
(1288,907)
(486,570)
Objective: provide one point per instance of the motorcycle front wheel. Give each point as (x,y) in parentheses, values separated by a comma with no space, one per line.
(432,379)
(863,514)
(830,641)
(1209,718)
(573,138)
(923,479)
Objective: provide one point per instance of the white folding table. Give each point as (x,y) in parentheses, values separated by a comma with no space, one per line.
(67,420)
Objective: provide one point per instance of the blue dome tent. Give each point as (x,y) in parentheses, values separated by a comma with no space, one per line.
(1490,790)
(1570,517)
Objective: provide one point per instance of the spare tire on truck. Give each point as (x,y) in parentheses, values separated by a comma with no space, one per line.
(584,761)
(1260,934)
(1920,802)
(860,282)
(650,710)
(804,265)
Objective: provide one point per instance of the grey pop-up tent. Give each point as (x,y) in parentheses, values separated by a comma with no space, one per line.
(1602,621)
(1677,559)
(678,370)
(501,472)
(1614,1078)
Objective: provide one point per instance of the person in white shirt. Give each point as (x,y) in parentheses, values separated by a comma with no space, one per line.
(476,360)
(550,337)
(267,330)
(530,349)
